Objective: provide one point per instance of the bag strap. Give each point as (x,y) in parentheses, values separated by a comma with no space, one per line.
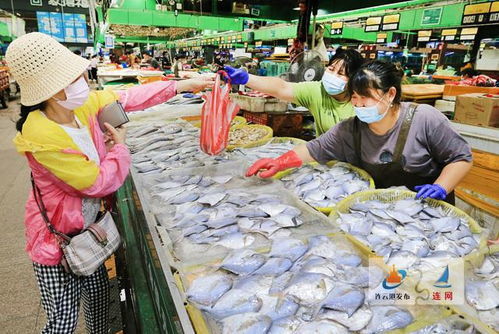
(61,237)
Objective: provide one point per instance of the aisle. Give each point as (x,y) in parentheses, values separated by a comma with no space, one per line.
(19,296)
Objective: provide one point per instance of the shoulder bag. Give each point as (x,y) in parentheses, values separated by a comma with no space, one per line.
(85,252)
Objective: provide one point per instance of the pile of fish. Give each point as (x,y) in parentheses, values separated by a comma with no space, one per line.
(482,291)
(246,134)
(453,324)
(321,186)
(409,232)
(270,150)
(316,287)
(204,211)
(170,146)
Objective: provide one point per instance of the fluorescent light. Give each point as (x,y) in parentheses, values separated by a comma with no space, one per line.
(296,8)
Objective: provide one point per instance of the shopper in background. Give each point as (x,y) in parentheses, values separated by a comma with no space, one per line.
(93,67)
(73,164)
(147,59)
(327,100)
(399,144)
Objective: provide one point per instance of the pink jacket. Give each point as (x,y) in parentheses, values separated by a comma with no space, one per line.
(65,175)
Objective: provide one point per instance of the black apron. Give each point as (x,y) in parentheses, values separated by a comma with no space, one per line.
(393,174)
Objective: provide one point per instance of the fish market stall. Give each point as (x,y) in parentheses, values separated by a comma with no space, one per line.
(207,250)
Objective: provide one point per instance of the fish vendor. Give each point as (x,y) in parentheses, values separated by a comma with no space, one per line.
(399,144)
(327,100)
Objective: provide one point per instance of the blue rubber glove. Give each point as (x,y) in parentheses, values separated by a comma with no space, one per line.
(237,76)
(435,191)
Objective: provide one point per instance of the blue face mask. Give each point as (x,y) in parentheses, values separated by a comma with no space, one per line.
(369,114)
(332,84)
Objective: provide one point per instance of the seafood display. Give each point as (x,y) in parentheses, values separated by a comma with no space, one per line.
(322,186)
(270,150)
(224,210)
(247,134)
(409,232)
(170,146)
(316,286)
(253,258)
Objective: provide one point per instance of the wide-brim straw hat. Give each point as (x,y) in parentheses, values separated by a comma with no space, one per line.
(42,66)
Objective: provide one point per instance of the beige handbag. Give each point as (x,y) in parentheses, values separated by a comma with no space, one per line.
(85,252)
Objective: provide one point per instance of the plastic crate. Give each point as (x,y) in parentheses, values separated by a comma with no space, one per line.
(256,118)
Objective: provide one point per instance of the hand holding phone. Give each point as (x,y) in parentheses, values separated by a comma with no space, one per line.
(114,114)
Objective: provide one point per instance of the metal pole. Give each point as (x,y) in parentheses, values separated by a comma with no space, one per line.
(313,31)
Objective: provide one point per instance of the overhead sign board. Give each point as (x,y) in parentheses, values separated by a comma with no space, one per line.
(431,16)
(449,34)
(480,13)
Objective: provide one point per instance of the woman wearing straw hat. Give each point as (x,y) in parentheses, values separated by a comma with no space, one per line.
(73,164)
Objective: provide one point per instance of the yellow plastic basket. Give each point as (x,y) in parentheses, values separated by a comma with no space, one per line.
(362,174)
(264,139)
(238,120)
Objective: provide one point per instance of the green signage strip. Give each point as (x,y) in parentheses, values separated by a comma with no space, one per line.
(431,16)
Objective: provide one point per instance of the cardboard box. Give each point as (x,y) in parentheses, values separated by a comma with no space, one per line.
(477,109)
(451,91)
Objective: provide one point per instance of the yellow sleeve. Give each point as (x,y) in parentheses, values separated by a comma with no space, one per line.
(97,100)
(71,168)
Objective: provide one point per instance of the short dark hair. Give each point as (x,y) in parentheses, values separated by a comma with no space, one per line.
(376,74)
(469,72)
(352,60)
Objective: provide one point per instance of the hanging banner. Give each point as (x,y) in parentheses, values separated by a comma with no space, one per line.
(424,35)
(476,13)
(391,22)
(381,37)
(431,16)
(109,42)
(336,28)
(373,24)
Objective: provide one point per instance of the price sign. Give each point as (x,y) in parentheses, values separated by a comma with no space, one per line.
(391,22)
(424,35)
(336,28)
(373,24)
(381,38)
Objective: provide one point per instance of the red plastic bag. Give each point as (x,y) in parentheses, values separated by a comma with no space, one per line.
(217,114)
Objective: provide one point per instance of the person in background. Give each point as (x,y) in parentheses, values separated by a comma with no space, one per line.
(74,164)
(94,61)
(147,59)
(398,144)
(178,65)
(328,100)
(468,73)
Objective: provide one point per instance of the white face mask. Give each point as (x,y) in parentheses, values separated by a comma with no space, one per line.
(76,94)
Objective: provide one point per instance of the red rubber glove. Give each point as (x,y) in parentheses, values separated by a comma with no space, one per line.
(273,166)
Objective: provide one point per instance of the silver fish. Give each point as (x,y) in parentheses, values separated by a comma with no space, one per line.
(206,290)
(356,322)
(322,327)
(344,298)
(243,262)
(236,240)
(250,323)
(309,288)
(274,266)
(482,295)
(387,318)
(233,302)
(288,248)
(286,325)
